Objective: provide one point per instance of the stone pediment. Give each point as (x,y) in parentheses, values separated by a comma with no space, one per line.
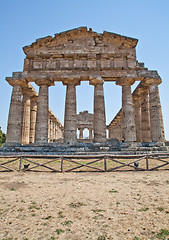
(86,39)
(80,49)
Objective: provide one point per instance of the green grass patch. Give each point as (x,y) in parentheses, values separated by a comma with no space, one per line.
(60,214)
(161,209)
(163,234)
(75,205)
(67,223)
(97,210)
(59,231)
(102,237)
(143,209)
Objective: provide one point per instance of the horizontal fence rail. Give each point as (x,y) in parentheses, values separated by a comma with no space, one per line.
(85,163)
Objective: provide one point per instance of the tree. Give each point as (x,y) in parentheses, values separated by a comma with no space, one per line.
(2,137)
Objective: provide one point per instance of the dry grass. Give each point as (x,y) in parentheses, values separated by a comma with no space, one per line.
(78,206)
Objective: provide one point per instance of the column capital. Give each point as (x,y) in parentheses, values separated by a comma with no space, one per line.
(45,81)
(151,81)
(16,82)
(34,98)
(74,82)
(124,82)
(96,80)
(136,97)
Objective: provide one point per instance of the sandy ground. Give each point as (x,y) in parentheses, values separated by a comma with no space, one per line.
(77,206)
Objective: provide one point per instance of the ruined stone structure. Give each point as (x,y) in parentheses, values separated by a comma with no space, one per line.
(85,120)
(84,55)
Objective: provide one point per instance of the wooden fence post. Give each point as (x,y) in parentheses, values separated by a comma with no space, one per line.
(61,164)
(20,164)
(147,166)
(105,163)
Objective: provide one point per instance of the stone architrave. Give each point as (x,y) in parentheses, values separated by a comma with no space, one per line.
(41,134)
(13,135)
(33,118)
(99,118)
(70,121)
(25,132)
(145,115)
(129,129)
(137,110)
(156,122)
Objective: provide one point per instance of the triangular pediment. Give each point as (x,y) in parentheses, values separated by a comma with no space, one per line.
(83,37)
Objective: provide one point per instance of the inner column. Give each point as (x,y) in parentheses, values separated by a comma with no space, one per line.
(25,136)
(99,120)
(137,110)
(145,116)
(129,129)
(33,118)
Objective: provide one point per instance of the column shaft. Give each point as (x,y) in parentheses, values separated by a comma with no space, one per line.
(25,135)
(129,129)
(145,117)
(54,130)
(99,120)
(15,116)
(137,110)
(51,130)
(156,121)
(70,122)
(33,120)
(90,134)
(81,133)
(41,135)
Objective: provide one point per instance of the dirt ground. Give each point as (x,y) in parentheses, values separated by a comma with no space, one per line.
(91,205)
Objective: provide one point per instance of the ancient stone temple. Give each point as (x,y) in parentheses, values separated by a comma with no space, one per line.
(84,55)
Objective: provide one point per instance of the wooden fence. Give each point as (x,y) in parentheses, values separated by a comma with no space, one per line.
(85,163)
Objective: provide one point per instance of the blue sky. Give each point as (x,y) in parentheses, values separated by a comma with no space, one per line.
(22,22)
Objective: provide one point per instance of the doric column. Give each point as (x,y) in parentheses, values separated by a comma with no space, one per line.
(156,121)
(54,130)
(33,118)
(41,134)
(129,129)
(51,130)
(25,132)
(90,133)
(15,112)
(145,115)
(99,119)
(81,132)
(70,121)
(137,110)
